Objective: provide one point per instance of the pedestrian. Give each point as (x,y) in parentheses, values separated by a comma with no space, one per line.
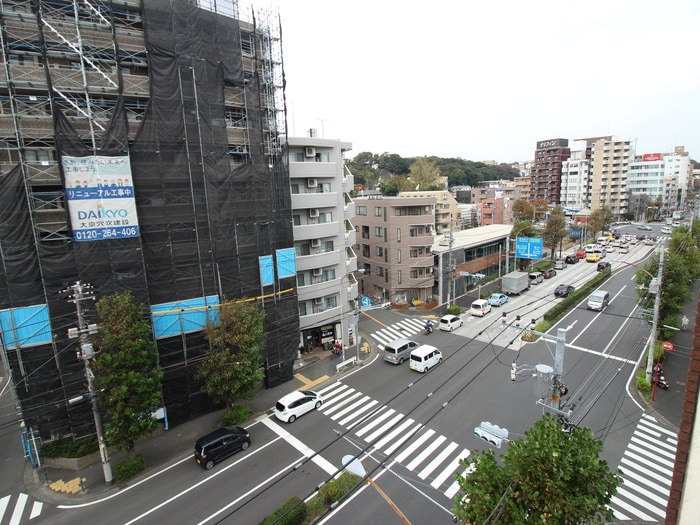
(684,323)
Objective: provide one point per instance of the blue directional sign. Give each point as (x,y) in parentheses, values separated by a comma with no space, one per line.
(365,301)
(575,233)
(528,247)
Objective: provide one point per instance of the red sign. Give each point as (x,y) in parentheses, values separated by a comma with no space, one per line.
(651,156)
(668,346)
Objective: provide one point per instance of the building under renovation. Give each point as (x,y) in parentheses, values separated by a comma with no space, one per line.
(141,149)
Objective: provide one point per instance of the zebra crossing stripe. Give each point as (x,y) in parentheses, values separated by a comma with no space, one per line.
(617,502)
(650,464)
(381,417)
(328,391)
(643,477)
(449,469)
(358,413)
(409,434)
(642,503)
(339,396)
(414,446)
(420,458)
(342,402)
(385,427)
(351,407)
(391,435)
(454,488)
(655,458)
(435,463)
(4,502)
(657,448)
(36,509)
(19,509)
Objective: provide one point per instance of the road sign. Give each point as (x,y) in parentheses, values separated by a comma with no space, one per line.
(668,346)
(528,247)
(575,233)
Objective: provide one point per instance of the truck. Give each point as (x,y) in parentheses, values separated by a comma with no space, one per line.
(514,283)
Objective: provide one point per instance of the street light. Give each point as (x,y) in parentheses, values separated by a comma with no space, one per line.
(350,330)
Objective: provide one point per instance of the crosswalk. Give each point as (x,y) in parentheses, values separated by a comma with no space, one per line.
(405,329)
(18,514)
(647,469)
(433,457)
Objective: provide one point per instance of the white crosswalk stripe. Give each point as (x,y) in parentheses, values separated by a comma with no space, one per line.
(647,469)
(419,449)
(18,511)
(405,329)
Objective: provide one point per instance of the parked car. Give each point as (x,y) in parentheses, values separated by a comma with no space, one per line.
(480,307)
(572,258)
(559,265)
(563,290)
(498,299)
(450,322)
(549,273)
(296,404)
(220,444)
(602,265)
(593,257)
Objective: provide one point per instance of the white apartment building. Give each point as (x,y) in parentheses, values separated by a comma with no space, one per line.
(678,166)
(322,211)
(575,177)
(646,176)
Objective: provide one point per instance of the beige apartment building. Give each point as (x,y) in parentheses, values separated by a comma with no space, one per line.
(610,160)
(447,211)
(394,240)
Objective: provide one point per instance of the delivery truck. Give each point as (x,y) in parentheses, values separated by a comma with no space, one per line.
(514,283)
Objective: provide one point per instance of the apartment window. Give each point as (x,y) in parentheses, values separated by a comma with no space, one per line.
(296,156)
(398,276)
(414,274)
(398,255)
(377,211)
(414,211)
(361,210)
(325,217)
(398,234)
(380,251)
(378,231)
(380,271)
(414,253)
(400,212)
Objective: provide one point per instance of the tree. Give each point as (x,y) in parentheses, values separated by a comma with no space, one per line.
(523,210)
(685,244)
(549,476)
(600,220)
(232,365)
(126,371)
(424,175)
(555,230)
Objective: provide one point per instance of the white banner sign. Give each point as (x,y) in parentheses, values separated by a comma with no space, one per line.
(100,198)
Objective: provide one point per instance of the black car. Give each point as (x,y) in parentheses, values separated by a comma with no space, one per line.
(549,273)
(220,444)
(571,259)
(563,290)
(603,266)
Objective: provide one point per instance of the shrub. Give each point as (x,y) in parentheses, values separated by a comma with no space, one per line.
(452,310)
(67,447)
(642,384)
(337,488)
(235,416)
(293,512)
(127,469)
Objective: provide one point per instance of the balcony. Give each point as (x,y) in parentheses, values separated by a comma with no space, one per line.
(314,200)
(313,170)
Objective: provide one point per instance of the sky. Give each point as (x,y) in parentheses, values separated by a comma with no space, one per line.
(488,80)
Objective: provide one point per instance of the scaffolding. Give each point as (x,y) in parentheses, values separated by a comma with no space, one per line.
(192,92)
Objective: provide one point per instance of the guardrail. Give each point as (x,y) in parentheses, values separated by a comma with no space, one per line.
(347,362)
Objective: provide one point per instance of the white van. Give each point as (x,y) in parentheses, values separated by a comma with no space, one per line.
(598,300)
(665,229)
(424,358)
(603,241)
(536,277)
(480,307)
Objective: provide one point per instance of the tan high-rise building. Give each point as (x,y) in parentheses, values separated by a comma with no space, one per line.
(610,159)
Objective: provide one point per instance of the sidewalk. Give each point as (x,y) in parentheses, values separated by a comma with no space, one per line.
(70,487)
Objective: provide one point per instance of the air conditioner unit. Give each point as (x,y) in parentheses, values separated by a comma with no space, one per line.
(318,300)
(311,183)
(310,151)
(318,272)
(315,243)
(313,213)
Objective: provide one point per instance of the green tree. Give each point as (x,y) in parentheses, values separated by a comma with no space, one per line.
(685,243)
(393,186)
(600,220)
(126,371)
(232,365)
(424,175)
(555,230)
(394,164)
(549,476)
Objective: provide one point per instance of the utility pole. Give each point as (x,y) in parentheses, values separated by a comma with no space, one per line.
(654,287)
(82,292)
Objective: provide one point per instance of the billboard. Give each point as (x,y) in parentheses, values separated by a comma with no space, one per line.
(528,247)
(647,157)
(100,197)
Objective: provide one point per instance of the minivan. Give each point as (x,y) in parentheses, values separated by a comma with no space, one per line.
(220,444)
(536,277)
(399,351)
(449,322)
(480,307)
(598,300)
(424,358)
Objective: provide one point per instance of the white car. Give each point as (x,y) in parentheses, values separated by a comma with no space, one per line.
(449,322)
(296,404)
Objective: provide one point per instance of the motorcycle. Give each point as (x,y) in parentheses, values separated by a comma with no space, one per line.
(659,378)
(428,329)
